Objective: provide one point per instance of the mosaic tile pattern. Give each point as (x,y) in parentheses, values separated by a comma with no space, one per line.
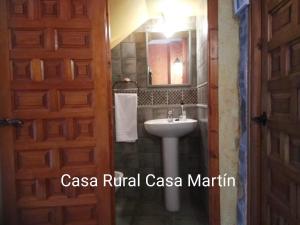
(160,97)
(129,60)
(145,97)
(174,96)
(190,96)
(125,91)
(148,97)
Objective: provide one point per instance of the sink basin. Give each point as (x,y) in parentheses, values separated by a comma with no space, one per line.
(163,128)
(170,133)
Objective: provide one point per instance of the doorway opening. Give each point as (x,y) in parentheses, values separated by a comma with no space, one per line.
(66,105)
(134,71)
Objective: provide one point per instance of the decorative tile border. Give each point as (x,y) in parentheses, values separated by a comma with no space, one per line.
(160,97)
(175,96)
(190,96)
(163,96)
(145,97)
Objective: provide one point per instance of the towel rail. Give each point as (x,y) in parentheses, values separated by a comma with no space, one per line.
(125,81)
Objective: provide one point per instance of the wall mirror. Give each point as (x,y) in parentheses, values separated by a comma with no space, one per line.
(169,59)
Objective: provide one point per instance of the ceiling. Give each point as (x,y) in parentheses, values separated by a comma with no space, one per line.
(128,15)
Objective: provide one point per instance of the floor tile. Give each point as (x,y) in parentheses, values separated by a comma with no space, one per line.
(149,209)
(188,221)
(125,207)
(151,220)
(124,220)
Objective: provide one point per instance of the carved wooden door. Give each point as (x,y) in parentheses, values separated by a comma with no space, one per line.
(55,76)
(281,101)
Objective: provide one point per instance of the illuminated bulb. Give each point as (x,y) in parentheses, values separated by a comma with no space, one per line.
(177,72)
(168,30)
(178,67)
(168,26)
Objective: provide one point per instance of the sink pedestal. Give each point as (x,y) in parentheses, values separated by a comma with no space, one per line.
(171,169)
(170,133)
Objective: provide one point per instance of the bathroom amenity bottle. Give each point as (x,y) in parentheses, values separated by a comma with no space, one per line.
(183,112)
(170,116)
(183,115)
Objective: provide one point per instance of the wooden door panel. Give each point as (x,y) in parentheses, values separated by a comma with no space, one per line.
(281,76)
(35,190)
(276,216)
(286,25)
(294,56)
(57,80)
(294,153)
(280,188)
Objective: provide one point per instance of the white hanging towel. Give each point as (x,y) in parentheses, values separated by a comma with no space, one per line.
(126,117)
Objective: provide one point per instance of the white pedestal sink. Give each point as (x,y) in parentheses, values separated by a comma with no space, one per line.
(170,133)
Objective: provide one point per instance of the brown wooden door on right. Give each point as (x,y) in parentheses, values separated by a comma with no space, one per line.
(281,100)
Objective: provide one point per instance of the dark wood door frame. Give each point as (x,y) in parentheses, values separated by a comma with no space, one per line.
(254,165)
(213,111)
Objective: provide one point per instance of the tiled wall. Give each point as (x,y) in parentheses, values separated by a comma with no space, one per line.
(124,60)
(202,88)
(144,156)
(163,96)
(129,60)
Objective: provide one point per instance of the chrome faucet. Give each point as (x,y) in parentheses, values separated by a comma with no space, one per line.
(170,116)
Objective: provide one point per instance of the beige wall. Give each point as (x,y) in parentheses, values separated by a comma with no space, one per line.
(128,15)
(125,17)
(202,89)
(173,7)
(228,106)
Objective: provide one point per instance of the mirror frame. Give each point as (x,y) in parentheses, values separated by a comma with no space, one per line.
(189,83)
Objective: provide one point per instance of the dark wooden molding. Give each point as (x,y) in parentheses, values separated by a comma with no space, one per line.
(6,137)
(102,56)
(213,113)
(254,163)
